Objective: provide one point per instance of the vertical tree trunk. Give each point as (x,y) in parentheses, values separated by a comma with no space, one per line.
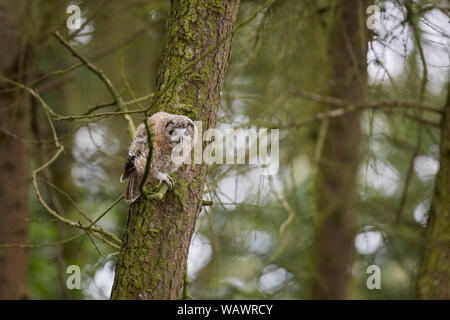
(13,159)
(335,183)
(153,258)
(434,273)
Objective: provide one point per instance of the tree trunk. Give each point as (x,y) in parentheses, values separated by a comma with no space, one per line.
(152,261)
(434,273)
(335,182)
(13,160)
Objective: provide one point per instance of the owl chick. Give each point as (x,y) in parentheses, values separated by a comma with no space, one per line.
(173,139)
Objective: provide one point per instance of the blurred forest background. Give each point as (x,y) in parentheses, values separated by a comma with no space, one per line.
(257,240)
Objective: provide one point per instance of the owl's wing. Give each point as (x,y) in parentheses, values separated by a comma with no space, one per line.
(129,168)
(133,160)
(138,149)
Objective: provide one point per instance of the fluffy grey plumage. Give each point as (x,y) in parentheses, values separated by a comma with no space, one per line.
(173,139)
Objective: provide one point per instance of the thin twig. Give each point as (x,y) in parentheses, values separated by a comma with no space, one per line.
(423,85)
(286,206)
(60,148)
(41,245)
(103,77)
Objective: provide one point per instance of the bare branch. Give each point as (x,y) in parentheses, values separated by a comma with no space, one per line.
(60,148)
(103,77)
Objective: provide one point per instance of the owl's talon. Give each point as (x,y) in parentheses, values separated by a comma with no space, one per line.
(170,182)
(167,179)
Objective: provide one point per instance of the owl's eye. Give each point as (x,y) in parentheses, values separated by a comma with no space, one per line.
(171,132)
(186,133)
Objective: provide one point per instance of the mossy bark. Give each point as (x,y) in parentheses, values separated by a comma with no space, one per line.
(153,258)
(337,170)
(13,155)
(433,280)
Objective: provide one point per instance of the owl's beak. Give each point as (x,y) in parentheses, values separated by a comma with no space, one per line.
(177,139)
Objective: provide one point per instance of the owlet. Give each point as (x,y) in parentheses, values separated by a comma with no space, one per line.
(173,139)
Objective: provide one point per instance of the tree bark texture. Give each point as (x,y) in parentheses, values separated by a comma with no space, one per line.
(433,280)
(337,171)
(13,157)
(153,258)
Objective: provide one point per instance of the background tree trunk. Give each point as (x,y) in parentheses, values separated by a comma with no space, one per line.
(152,261)
(13,159)
(434,274)
(335,183)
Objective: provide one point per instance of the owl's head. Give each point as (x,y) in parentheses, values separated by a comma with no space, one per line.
(179,129)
